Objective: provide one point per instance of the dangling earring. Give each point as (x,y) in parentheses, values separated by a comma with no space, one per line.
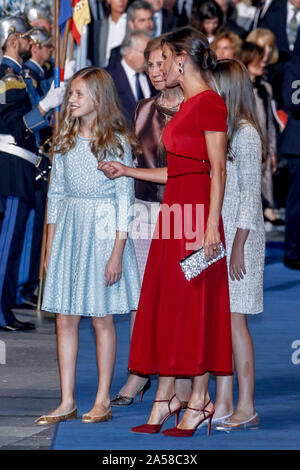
(181,68)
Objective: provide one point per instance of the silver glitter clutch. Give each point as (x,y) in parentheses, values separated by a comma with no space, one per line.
(193,264)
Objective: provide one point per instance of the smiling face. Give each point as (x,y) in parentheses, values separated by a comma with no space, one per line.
(155,70)
(170,66)
(80,101)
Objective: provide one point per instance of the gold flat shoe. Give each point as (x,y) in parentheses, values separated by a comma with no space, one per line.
(53,419)
(228,426)
(86,418)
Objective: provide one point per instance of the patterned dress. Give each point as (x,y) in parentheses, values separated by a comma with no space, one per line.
(87,209)
(242,208)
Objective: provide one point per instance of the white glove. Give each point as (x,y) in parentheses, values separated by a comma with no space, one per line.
(54,97)
(70,66)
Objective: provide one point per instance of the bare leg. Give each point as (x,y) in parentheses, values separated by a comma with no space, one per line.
(224,396)
(134,383)
(106,354)
(183,389)
(199,398)
(67,349)
(165,391)
(243,352)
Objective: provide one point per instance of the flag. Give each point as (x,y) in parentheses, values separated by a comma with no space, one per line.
(65,12)
(81,17)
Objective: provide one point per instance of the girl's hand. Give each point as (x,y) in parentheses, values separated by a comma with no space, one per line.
(237,268)
(113,270)
(46,260)
(211,242)
(112,170)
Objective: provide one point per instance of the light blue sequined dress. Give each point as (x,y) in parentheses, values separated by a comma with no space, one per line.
(87,209)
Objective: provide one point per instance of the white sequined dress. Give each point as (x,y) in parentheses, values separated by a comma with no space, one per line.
(87,209)
(242,208)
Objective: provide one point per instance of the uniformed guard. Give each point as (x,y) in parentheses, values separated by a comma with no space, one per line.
(19,124)
(37,87)
(40,16)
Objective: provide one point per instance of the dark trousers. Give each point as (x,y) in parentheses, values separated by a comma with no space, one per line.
(292,225)
(12,231)
(29,284)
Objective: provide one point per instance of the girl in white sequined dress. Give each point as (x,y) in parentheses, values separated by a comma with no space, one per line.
(90,260)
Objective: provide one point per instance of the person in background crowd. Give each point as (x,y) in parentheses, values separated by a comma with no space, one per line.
(129,77)
(39,17)
(229,18)
(273,70)
(183,9)
(227,45)
(253,57)
(139,18)
(108,32)
(207,18)
(244,13)
(289,146)
(262,7)
(284,22)
(20,124)
(164,20)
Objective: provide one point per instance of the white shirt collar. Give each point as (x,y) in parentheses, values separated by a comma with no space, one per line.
(38,65)
(130,72)
(14,60)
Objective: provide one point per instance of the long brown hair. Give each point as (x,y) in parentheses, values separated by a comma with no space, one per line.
(109,124)
(232,82)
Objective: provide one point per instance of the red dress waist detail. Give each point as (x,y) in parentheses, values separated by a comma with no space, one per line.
(179,165)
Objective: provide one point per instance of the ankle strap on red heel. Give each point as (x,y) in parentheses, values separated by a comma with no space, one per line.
(166,401)
(201,410)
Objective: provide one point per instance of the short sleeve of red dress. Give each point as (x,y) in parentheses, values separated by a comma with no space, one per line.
(184,134)
(211,112)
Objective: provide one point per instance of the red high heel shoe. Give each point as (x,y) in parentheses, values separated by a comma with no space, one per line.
(176,432)
(155,428)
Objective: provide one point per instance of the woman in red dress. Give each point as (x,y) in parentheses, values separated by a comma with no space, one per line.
(183,328)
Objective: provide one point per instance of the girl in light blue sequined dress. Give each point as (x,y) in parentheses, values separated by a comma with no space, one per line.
(90,260)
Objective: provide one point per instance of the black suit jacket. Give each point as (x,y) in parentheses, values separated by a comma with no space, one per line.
(289,142)
(170,21)
(127,99)
(275,20)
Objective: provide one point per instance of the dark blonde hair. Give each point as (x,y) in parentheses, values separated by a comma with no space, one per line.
(268,38)
(109,124)
(232,82)
(233,38)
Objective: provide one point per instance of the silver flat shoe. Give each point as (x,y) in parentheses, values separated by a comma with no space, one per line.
(228,426)
(215,421)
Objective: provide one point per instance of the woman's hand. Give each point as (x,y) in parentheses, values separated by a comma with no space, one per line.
(211,242)
(113,270)
(112,170)
(273,163)
(237,268)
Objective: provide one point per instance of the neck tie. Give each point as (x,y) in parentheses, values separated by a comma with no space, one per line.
(139,91)
(293,28)
(183,14)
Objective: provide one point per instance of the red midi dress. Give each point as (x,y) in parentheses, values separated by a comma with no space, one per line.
(182,328)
